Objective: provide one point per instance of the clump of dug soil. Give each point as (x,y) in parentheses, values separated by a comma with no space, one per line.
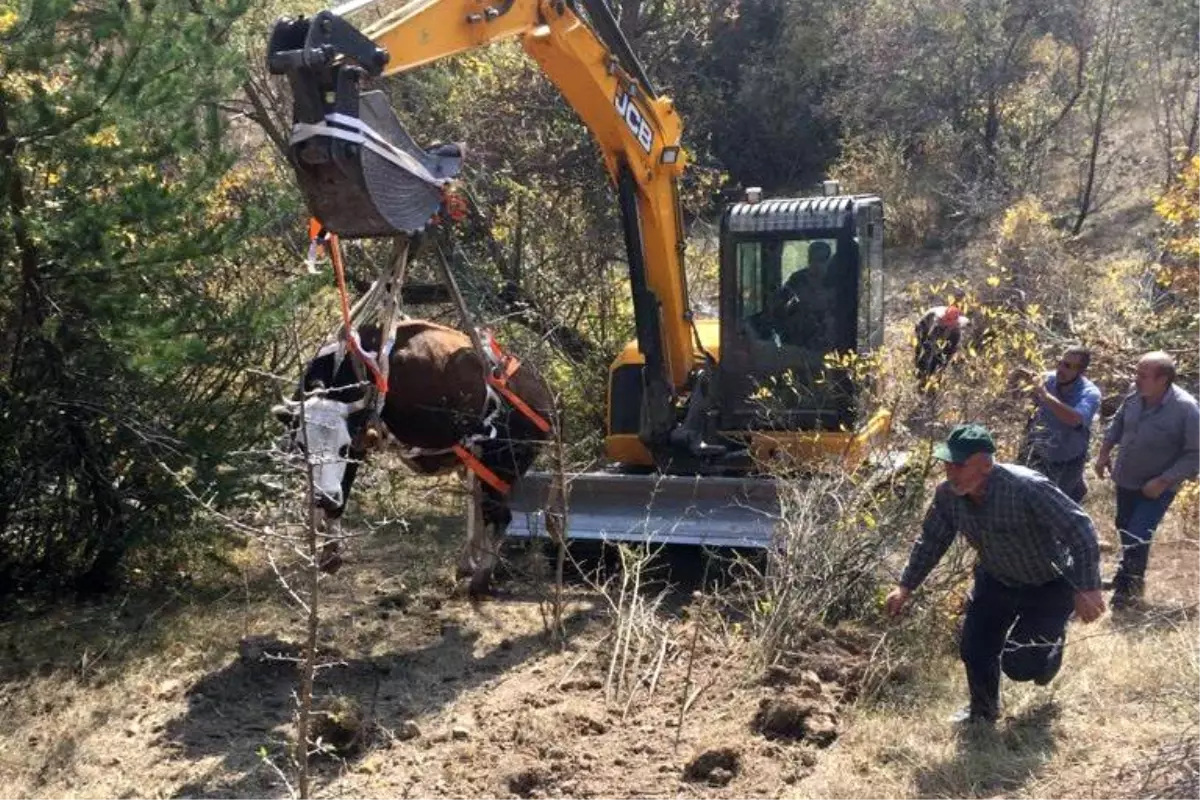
(801,709)
(839,657)
(716,767)
(526,782)
(338,723)
(796,720)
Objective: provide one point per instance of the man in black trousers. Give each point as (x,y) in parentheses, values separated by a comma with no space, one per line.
(1038,561)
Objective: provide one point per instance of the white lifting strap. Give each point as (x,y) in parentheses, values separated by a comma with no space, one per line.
(353,129)
(382,304)
(390,296)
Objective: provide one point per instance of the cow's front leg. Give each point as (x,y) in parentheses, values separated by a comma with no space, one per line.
(329,556)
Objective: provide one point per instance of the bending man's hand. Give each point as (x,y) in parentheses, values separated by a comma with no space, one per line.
(1154,487)
(1089,605)
(895,601)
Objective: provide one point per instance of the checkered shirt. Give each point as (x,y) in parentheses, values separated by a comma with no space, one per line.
(1026,532)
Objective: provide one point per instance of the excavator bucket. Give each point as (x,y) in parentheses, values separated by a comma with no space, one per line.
(653,509)
(361,173)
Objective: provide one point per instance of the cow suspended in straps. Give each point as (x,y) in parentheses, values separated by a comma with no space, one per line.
(437,404)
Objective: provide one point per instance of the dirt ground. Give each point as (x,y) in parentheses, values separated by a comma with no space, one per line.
(171,693)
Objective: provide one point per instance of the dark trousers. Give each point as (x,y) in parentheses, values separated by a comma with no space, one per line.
(1067,475)
(1137,518)
(1018,630)
(932,354)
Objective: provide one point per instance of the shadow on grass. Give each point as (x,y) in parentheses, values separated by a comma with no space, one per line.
(994,761)
(250,703)
(93,641)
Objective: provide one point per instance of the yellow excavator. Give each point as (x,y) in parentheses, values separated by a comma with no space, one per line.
(698,410)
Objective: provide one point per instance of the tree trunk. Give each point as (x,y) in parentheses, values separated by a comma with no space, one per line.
(1106,74)
(631,18)
(29,311)
(1193,128)
(262,115)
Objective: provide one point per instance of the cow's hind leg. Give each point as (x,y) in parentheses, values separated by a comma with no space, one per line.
(475,542)
(486,548)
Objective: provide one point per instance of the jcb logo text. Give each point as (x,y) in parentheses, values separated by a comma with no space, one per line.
(635,120)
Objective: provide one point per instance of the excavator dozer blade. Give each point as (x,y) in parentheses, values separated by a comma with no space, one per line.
(655,509)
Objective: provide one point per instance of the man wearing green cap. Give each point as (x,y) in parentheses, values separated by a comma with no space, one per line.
(1038,561)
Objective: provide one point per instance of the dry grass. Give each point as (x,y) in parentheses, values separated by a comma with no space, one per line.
(1120,695)
(1121,719)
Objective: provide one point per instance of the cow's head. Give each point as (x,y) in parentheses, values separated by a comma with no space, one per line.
(320,427)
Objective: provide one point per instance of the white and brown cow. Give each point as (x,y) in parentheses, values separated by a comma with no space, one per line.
(436,398)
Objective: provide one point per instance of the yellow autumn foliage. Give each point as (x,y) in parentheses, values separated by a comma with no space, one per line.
(1179,208)
(105,137)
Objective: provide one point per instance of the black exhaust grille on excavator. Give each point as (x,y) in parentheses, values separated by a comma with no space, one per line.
(361,174)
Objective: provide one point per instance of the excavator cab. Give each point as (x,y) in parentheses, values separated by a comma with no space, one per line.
(801,289)
(801,283)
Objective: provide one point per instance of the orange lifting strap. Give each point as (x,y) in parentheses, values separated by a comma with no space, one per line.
(479,468)
(335,254)
(499,382)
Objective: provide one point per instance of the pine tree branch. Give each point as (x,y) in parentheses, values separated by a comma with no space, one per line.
(65,125)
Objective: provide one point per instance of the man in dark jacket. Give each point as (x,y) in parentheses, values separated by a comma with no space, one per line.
(801,310)
(939,334)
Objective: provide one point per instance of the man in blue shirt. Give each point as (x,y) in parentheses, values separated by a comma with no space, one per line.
(1157,433)
(1061,428)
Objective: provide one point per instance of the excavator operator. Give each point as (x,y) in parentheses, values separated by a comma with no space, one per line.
(799,313)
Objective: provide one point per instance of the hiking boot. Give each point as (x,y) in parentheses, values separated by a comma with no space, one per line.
(965,716)
(1125,601)
(1127,593)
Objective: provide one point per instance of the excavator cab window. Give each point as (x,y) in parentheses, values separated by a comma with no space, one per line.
(751,282)
(795,293)
(796,286)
